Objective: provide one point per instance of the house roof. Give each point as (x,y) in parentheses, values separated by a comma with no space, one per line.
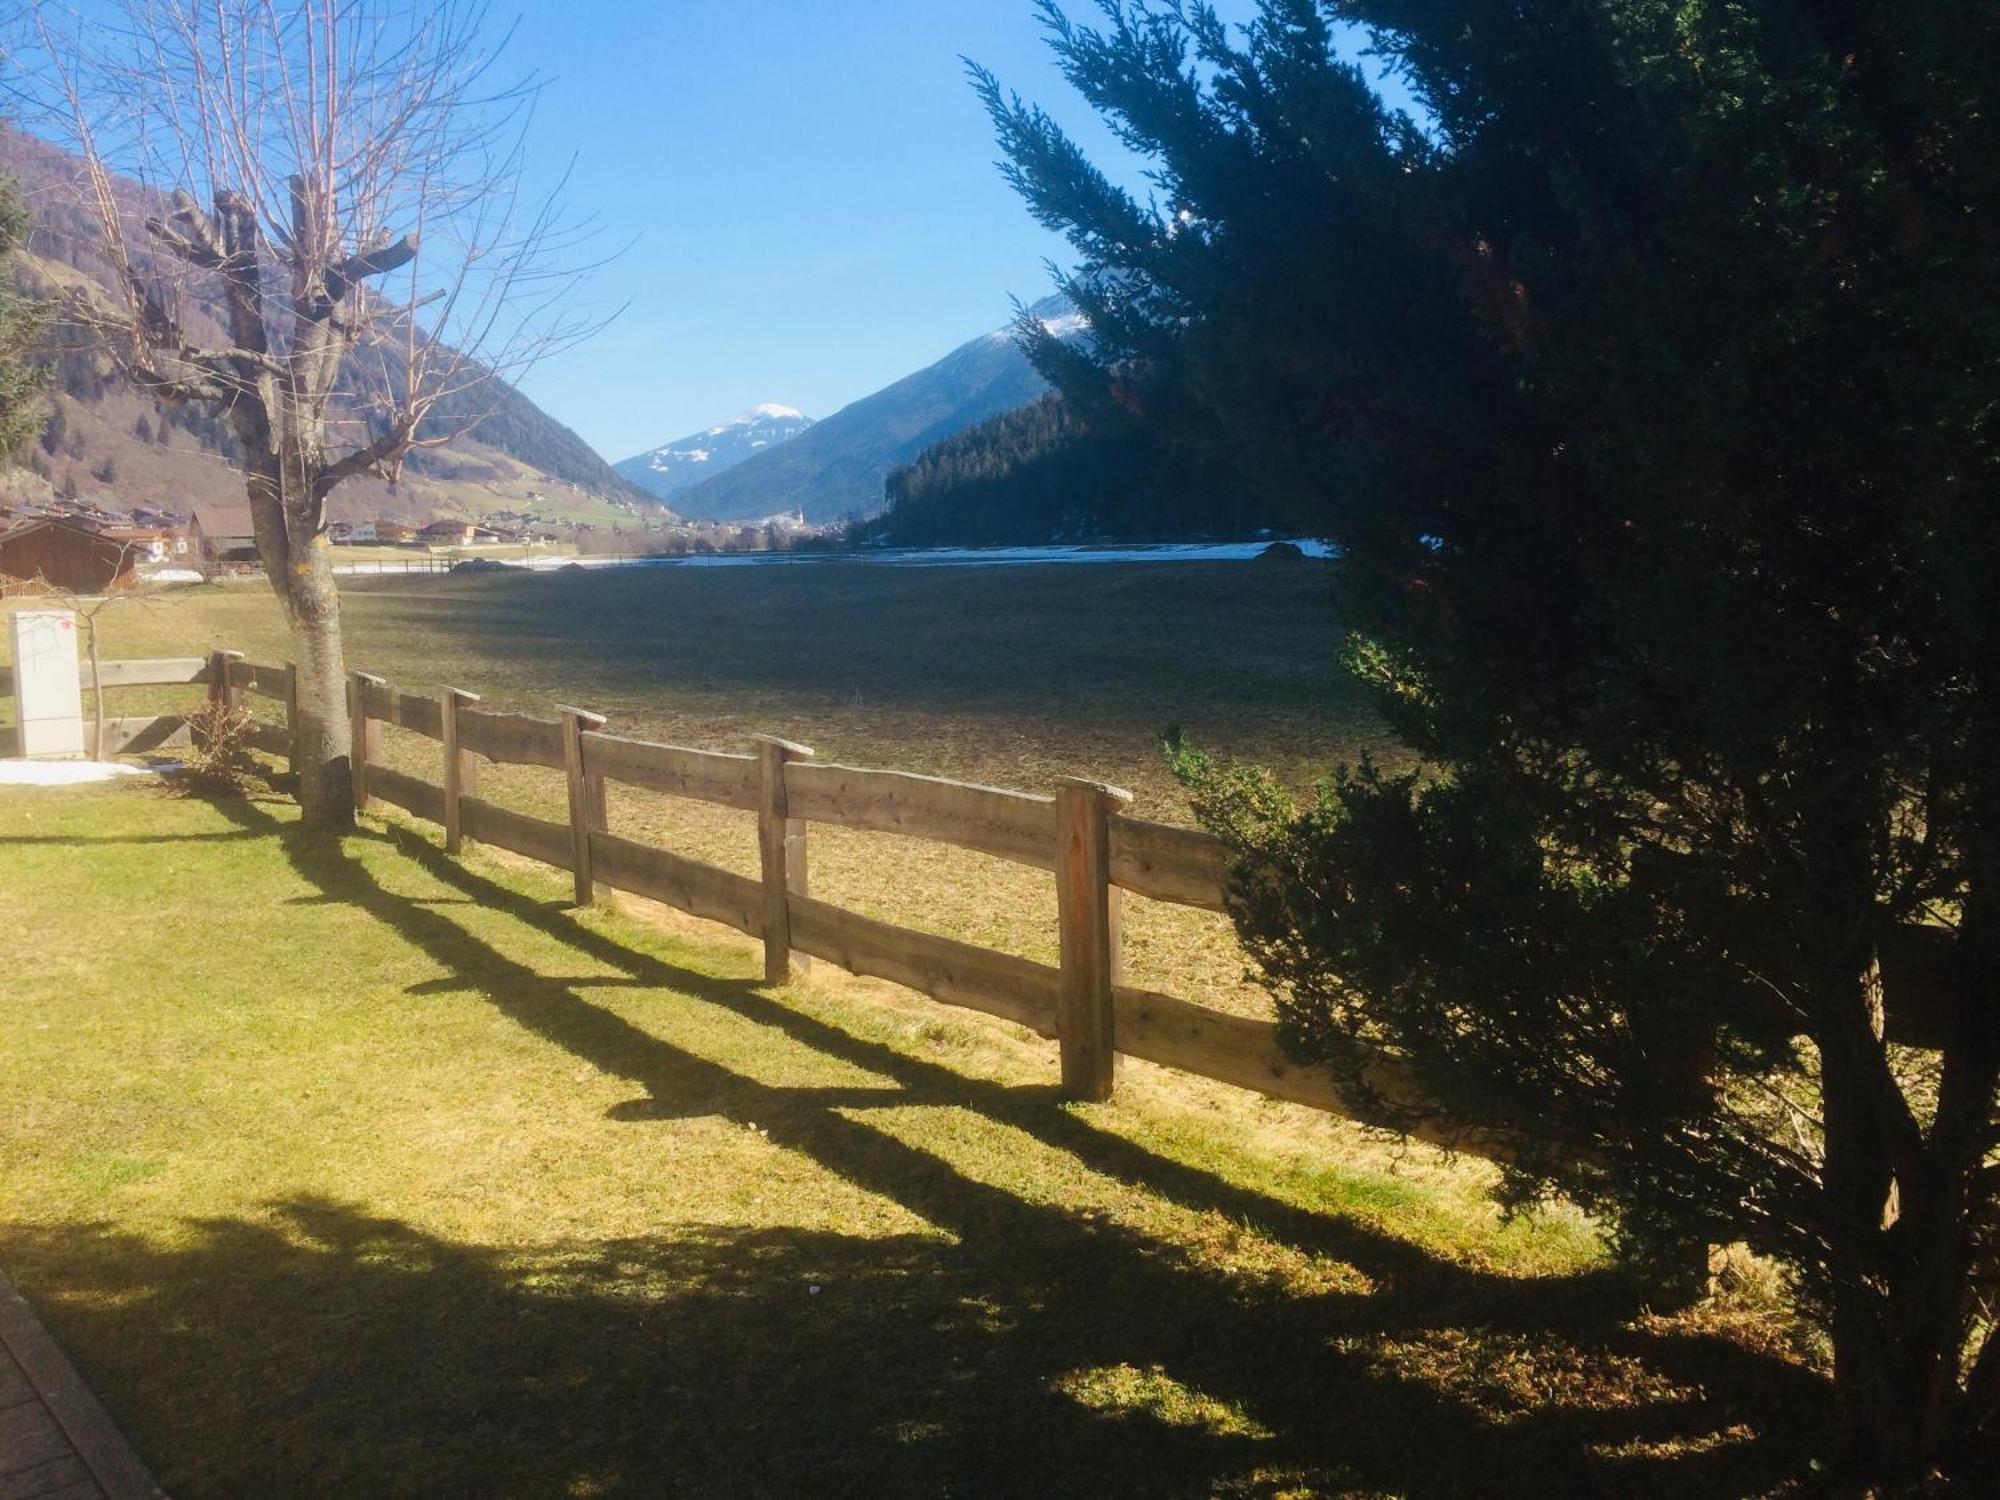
(61,523)
(223,520)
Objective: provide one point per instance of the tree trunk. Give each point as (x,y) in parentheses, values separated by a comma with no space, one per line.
(325,741)
(1897,1355)
(1902,1236)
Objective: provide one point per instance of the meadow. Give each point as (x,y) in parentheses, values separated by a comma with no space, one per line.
(1010,677)
(350,1169)
(355,1169)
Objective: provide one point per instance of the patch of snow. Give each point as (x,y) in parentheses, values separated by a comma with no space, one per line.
(770,411)
(66,772)
(173,575)
(1056,553)
(922,557)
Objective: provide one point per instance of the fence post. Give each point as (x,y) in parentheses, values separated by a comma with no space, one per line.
(781,846)
(366,733)
(222,696)
(232,690)
(1087,909)
(586,798)
(461,767)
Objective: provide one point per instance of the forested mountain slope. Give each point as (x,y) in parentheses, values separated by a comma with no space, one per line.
(107,439)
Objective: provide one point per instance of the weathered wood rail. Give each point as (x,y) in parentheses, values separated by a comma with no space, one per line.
(224,673)
(1084,836)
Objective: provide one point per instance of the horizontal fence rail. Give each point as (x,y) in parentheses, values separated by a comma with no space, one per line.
(139,736)
(1084,836)
(225,675)
(512,739)
(703,890)
(1011,825)
(489,823)
(1017,989)
(1166,863)
(168,672)
(405,710)
(703,775)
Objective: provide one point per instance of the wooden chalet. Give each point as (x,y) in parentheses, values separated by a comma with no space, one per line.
(52,555)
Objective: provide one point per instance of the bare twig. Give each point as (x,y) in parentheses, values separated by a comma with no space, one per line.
(314,224)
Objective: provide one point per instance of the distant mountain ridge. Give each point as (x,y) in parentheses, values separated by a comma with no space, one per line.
(836,469)
(669,469)
(109,440)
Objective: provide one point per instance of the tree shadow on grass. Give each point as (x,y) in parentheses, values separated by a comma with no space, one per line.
(88,841)
(1038,1349)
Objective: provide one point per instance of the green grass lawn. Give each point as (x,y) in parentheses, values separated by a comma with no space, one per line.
(1009,676)
(353,1170)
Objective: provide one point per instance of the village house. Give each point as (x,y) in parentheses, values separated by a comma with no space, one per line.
(449,533)
(223,534)
(53,554)
(383,530)
(150,544)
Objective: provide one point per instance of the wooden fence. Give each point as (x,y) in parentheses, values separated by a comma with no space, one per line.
(1085,836)
(137,735)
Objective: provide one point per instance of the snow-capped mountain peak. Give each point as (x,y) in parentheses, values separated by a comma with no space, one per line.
(674,466)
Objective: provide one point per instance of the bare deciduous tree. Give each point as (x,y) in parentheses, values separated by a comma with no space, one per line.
(313,225)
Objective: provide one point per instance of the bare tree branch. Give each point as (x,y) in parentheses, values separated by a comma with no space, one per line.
(362,163)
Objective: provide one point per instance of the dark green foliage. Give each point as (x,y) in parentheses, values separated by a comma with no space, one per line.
(23,401)
(1042,473)
(1648,388)
(55,429)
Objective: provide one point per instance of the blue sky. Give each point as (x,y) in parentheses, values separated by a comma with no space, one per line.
(808,189)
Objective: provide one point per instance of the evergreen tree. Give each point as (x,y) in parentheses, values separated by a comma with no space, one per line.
(1044,472)
(1646,382)
(55,429)
(23,402)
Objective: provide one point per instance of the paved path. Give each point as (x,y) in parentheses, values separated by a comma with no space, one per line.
(56,1442)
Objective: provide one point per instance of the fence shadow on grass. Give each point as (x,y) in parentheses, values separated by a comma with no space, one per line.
(697,1362)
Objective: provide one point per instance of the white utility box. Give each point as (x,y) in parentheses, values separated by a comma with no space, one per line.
(48,688)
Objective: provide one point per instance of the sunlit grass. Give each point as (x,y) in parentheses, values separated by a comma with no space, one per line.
(357,1171)
(1011,677)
